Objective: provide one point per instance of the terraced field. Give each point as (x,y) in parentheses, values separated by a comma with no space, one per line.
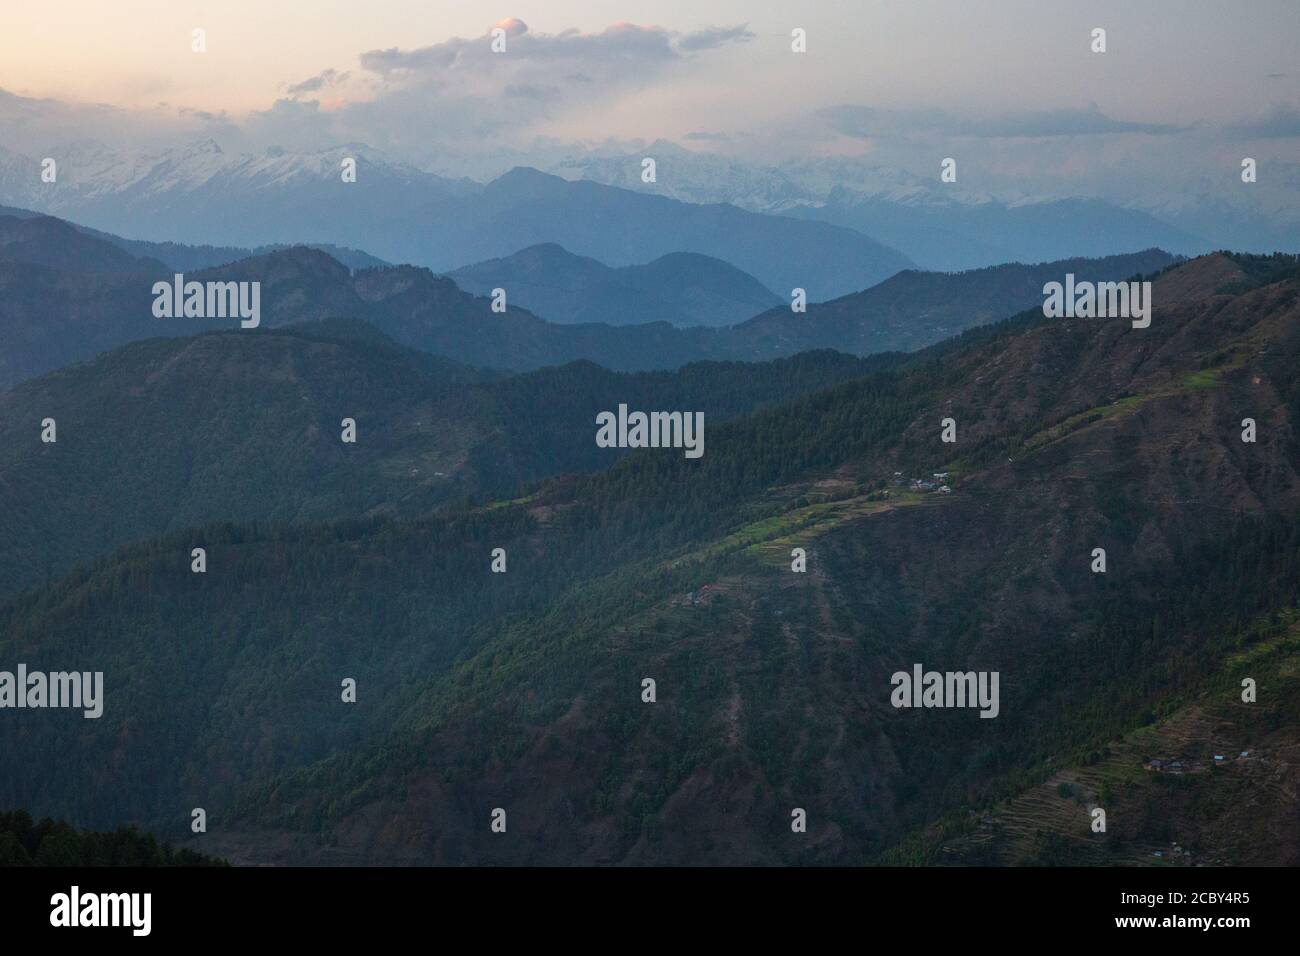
(1240,809)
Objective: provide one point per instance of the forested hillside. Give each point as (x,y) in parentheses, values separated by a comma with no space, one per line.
(237,426)
(523,690)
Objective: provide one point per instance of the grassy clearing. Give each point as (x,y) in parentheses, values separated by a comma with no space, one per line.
(771,541)
(1218,365)
(1085,418)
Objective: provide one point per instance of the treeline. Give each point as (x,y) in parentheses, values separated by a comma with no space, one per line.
(24,842)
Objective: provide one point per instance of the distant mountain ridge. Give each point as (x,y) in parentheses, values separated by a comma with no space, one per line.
(956,236)
(187,258)
(960,225)
(913,309)
(681,288)
(53,243)
(201,194)
(55,317)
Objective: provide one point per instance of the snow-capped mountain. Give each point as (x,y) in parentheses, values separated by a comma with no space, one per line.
(108,189)
(950,226)
(709,177)
(202,194)
(690,177)
(1263,216)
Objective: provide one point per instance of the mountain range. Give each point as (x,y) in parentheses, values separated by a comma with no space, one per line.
(201,194)
(525,690)
(642,657)
(55,316)
(951,226)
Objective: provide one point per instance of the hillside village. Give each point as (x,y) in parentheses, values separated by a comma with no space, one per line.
(936,483)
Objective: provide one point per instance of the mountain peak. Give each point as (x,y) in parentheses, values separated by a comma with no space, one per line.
(289,264)
(204,147)
(526,182)
(525,174)
(1197,278)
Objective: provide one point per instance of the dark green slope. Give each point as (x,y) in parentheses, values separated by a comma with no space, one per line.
(54,316)
(773,692)
(169,433)
(522,690)
(46,241)
(24,842)
(264,637)
(1206,781)
(246,425)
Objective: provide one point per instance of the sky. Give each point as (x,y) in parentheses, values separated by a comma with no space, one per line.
(1012,83)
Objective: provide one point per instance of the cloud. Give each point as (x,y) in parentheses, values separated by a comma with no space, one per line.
(320,81)
(1062,122)
(512,26)
(206,115)
(39,125)
(297,124)
(620,44)
(529,91)
(452,97)
(449,93)
(864,122)
(1281,122)
(392,60)
(713,37)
